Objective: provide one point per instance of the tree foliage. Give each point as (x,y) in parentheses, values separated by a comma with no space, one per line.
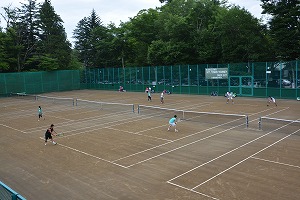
(178,32)
(34,37)
(284,27)
(53,43)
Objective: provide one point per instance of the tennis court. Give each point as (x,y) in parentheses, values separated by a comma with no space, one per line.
(116,146)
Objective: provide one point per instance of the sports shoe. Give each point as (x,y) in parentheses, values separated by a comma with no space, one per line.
(168,129)
(54,143)
(45,144)
(176,130)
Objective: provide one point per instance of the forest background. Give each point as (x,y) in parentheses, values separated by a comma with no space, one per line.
(179,32)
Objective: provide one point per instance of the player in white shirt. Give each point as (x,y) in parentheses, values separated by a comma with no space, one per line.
(162,97)
(229,97)
(271,99)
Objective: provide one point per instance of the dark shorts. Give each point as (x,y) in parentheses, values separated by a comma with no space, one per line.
(48,136)
(40,115)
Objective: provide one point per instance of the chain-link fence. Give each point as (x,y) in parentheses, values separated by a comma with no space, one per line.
(39,82)
(278,79)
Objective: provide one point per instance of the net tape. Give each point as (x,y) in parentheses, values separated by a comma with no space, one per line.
(186,115)
(105,105)
(263,121)
(76,102)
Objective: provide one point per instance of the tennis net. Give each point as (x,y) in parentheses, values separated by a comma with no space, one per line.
(194,116)
(57,100)
(45,99)
(284,125)
(115,107)
(22,95)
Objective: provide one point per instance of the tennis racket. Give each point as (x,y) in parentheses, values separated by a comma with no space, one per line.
(59,134)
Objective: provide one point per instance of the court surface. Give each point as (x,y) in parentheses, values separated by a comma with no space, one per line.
(120,154)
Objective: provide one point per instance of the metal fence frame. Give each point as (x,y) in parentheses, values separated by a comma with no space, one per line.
(277,79)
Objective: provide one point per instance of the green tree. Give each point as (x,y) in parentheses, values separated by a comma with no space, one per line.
(242,38)
(284,27)
(4,64)
(84,38)
(186,32)
(27,33)
(139,33)
(13,41)
(53,41)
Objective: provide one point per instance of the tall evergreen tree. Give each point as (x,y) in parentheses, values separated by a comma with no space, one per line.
(84,38)
(53,43)
(11,43)
(27,30)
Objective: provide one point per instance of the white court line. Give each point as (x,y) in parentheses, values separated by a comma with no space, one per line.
(184,138)
(82,152)
(89,119)
(137,117)
(280,163)
(20,113)
(247,157)
(13,128)
(182,146)
(100,126)
(228,152)
(180,186)
(169,181)
(137,133)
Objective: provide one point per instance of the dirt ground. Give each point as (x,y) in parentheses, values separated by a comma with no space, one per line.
(110,152)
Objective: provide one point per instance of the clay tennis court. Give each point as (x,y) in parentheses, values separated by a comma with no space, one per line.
(114,153)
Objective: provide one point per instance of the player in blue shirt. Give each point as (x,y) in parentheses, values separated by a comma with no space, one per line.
(173,122)
(40,113)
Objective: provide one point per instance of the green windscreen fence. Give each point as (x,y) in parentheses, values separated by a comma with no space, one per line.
(257,79)
(39,82)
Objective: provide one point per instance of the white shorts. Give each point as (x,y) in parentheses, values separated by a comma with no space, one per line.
(230,97)
(172,124)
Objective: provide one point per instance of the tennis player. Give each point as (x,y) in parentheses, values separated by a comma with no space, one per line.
(162,97)
(149,96)
(271,99)
(229,97)
(172,123)
(40,113)
(49,133)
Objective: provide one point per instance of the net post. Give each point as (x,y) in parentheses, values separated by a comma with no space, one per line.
(133,108)
(14,197)
(76,102)
(138,109)
(36,97)
(183,115)
(259,124)
(247,121)
(73,102)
